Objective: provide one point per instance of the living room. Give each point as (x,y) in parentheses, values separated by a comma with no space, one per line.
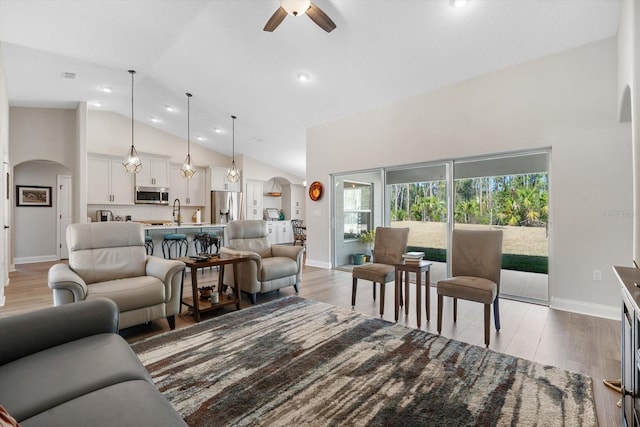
(575,102)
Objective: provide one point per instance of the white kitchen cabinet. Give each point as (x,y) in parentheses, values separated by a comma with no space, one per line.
(293,200)
(190,192)
(279,232)
(219,181)
(254,199)
(107,182)
(154,173)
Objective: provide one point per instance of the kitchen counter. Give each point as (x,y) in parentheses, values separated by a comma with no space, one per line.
(184,225)
(157,233)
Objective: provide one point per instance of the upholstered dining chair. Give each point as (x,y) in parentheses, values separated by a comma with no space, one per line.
(476,259)
(389,246)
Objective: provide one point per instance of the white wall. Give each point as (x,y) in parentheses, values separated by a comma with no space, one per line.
(35,227)
(5,218)
(42,134)
(565,101)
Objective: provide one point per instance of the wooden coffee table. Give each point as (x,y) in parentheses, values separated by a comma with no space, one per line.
(195,303)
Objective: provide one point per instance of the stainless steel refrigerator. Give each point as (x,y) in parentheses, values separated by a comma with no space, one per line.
(225,206)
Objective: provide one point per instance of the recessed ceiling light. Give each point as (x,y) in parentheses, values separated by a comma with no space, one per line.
(304,77)
(217,130)
(201,138)
(154,119)
(106,89)
(458,3)
(96,103)
(170,108)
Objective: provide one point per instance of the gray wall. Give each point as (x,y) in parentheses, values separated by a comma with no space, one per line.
(35,227)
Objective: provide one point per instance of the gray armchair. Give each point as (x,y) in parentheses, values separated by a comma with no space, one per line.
(271,267)
(108,259)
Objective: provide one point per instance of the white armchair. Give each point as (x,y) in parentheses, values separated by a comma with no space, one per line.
(108,259)
(271,267)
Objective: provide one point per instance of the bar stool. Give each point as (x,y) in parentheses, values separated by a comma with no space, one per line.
(214,240)
(148,244)
(178,240)
(201,243)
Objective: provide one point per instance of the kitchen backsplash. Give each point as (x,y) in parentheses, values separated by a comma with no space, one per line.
(146,212)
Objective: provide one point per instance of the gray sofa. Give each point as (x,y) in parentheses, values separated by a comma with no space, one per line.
(108,259)
(271,267)
(67,366)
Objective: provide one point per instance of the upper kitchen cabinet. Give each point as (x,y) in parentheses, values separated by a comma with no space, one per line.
(190,192)
(293,198)
(219,181)
(107,182)
(254,199)
(154,173)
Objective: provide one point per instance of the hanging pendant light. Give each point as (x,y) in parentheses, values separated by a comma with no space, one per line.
(233,174)
(131,162)
(187,170)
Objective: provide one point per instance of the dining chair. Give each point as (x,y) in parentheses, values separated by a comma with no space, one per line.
(390,244)
(476,259)
(299,232)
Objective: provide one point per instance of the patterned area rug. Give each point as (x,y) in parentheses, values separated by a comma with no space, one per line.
(299,362)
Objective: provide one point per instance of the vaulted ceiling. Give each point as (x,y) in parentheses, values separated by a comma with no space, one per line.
(381,51)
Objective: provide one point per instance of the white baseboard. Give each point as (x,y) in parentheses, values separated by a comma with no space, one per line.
(598,310)
(319,264)
(33,259)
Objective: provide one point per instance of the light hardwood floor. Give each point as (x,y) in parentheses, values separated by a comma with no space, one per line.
(575,342)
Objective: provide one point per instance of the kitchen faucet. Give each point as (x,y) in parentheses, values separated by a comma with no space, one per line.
(178,220)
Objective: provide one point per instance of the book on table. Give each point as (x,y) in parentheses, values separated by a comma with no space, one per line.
(412,261)
(413,256)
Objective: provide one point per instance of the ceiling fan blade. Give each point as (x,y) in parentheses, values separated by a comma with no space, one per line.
(275,19)
(319,17)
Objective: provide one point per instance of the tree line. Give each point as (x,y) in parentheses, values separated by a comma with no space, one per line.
(517,200)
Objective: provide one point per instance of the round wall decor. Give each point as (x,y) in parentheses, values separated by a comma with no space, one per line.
(315,191)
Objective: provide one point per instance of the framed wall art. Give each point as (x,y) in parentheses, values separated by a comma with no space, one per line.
(33,196)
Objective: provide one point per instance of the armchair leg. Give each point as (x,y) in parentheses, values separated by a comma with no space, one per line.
(296,288)
(487,321)
(440,297)
(354,288)
(496,312)
(172,322)
(254,298)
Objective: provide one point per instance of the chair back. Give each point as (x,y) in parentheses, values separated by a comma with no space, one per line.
(390,244)
(102,251)
(296,225)
(249,235)
(477,253)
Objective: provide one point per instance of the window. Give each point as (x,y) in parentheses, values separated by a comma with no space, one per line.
(357,209)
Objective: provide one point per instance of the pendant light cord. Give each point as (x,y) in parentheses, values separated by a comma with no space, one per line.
(189,124)
(132,73)
(233,140)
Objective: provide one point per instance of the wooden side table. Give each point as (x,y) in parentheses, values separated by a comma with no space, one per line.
(418,269)
(220,261)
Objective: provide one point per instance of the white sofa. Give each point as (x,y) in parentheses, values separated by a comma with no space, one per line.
(108,260)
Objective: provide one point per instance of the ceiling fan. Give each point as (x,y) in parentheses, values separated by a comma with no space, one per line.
(299,7)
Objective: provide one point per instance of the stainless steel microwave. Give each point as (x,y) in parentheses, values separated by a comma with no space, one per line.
(152,196)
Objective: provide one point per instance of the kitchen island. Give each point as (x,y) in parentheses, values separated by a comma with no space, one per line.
(157,233)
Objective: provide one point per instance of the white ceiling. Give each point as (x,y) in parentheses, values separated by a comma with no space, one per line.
(381,51)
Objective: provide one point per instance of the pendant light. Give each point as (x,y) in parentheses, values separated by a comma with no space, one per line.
(131,162)
(233,174)
(187,170)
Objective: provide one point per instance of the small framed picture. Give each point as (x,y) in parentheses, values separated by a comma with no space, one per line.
(33,196)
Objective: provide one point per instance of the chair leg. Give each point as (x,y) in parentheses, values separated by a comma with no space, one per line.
(296,288)
(455,309)
(440,313)
(487,321)
(374,291)
(496,312)
(353,292)
(172,322)
(254,298)
(382,286)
